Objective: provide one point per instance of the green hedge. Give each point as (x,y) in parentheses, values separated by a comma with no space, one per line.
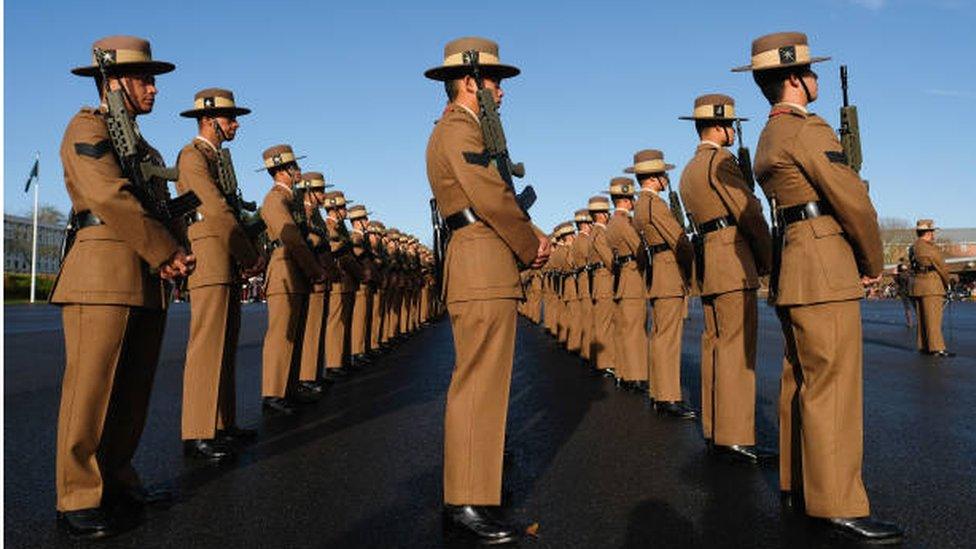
(16,286)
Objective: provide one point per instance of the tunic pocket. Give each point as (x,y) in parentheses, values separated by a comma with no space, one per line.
(835,254)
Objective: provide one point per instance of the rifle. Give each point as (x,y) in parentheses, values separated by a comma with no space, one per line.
(139,167)
(677,210)
(496,147)
(777,231)
(227,181)
(440,244)
(648,262)
(698,245)
(744,158)
(850,133)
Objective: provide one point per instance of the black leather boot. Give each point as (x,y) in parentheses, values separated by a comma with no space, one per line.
(86,524)
(476,522)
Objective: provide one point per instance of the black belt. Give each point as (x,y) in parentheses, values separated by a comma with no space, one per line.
(86,219)
(716,224)
(801,212)
(923,269)
(595,266)
(657,248)
(274,245)
(625,259)
(461,219)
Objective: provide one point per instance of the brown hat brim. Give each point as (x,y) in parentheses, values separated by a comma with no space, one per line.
(216,111)
(445,73)
(667,167)
(748,68)
(118,69)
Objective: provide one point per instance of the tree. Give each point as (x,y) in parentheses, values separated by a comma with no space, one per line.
(897,235)
(50,215)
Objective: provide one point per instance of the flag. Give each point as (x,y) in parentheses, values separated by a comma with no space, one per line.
(33,174)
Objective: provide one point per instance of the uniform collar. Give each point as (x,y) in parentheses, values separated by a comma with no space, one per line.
(285,187)
(474,116)
(707,143)
(207,141)
(790,107)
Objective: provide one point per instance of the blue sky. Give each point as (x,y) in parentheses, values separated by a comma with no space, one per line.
(343,83)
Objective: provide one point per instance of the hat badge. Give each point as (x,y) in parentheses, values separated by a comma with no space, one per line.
(208,102)
(720,111)
(787,54)
(276,159)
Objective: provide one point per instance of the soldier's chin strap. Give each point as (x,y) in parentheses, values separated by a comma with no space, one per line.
(803,84)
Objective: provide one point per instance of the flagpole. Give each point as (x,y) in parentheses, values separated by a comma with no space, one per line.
(37,183)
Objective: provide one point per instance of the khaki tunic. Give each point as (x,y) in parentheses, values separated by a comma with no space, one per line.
(581,258)
(799,159)
(482,289)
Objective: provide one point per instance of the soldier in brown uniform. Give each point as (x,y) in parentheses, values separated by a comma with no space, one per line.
(312,187)
(930,280)
(668,256)
(565,234)
(601,265)
(362,304)
(223,250)
(342,294)
(551,276)
(629,294)
(375,231)
(581,258)
(292,271)
(831,250)
(491,234)
(735,248)
(111,292)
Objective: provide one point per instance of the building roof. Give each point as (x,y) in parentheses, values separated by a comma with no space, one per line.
(19,219)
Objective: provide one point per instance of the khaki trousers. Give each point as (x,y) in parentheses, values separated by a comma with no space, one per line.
(282,354)
(313,343)
(928,311)
(586,327)
(477,400)
(209,388)
(604,346)
(728,368)
(574,330)
(821,408)
(563,320)
(376,319)
(111,353)
(668,319)
(550,314)
(630,338)
(360,321)
(337,331)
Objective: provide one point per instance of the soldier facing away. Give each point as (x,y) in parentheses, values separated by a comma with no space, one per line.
(829,249)
(930,280)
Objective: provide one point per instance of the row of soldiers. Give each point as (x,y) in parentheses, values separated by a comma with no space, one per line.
(337,295)
(611,273)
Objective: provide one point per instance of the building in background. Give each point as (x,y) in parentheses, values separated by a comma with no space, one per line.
(17,235)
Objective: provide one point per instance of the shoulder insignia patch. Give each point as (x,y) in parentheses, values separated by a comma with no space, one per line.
(837,157)
(480,159)
(96,151)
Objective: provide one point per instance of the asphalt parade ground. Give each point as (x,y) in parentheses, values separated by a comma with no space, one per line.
(589,465)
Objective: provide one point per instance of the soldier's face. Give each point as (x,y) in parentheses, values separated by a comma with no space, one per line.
(228,125)
(490,83)
(140,89)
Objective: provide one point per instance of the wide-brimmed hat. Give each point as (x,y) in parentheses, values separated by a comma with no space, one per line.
(277,156)
(648,161)
(780,50)
(714,106)
(582,216)
(456,60)
(124,55)
(622,186)
(358,212)
(312,181)
(375,227)
(563,229)
(925,225)
(598,204)
(214,102)
(334,199)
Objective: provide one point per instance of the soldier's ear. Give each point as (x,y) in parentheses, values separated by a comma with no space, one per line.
(470,84)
